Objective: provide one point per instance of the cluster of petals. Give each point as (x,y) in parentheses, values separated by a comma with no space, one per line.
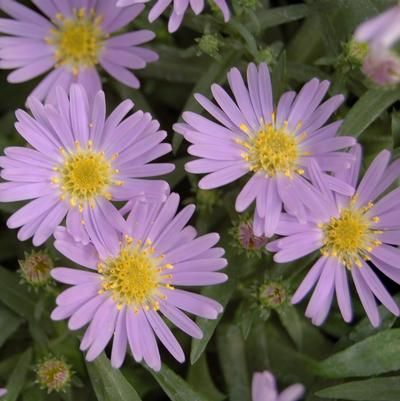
(264,388)
(72,144)
(376,212)
(223,147)
(182,259)
(33,42)
(179,9)
(381,33)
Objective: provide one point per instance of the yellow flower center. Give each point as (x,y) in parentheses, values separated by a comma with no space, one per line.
(272,149)
(134,276)
(77,40)
(350,236)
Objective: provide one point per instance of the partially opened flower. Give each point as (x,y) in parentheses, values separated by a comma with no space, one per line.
(264,389)
(77,162)
(70,40)
(382,63)
(357,236)
(179,9)
(273,144)
(131,284)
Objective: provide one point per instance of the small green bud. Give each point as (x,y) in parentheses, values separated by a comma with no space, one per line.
(209,44)
(207,200)
(266,56)
(248,5)
(35,268)
(356,52)
(53,374)
(272,294)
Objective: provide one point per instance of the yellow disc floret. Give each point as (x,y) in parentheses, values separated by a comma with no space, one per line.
(77,40)
(350,237)
(134,276)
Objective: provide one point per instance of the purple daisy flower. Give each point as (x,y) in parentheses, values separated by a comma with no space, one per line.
(264,388)
(71,39)
(275,145)
(77,162)
(132,283)
(381,64)
(355,235)
(179,9)
(3,391)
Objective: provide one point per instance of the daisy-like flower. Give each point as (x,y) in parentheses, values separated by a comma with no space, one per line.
(71,39)
(179,9)
(3,391)
(264,388)
(356,235)
(132,285)
(274,145)
(382,63)
(77,162)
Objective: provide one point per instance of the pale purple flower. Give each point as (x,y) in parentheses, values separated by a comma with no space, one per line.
(132,285)
(70,40)
(179,9)
(382,63)
(3,391)
(274,144)
(77,161)
(264,389)
(357,236)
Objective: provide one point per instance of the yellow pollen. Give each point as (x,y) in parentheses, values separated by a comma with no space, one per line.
(84,175)
(78,40)
(349,236)
(272,150)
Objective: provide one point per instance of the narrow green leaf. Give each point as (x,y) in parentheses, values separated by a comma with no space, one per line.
(379,389)
(291,321)
(396,129)
(109,384)
(175,387)
(282,15)
(367,109)
(17,379)
(373,356)
(15,296)
(233,362)
(9,323)
(222,294)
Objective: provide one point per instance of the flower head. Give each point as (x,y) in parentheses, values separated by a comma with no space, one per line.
(179,10)
(247,239)
(264,388)
(132,283)
(71,39)
(274,145)
(53,374)
(77,163)
(356,235)
(35,268)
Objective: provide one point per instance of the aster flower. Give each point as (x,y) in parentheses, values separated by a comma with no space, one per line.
(264,388)
(274,145)
(71,39)
(179,9)
(357,236)
(131,285)
(3,391)
(78,162)
(382,63)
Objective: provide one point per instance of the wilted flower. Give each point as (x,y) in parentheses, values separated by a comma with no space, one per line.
(71,39)
(264,388)
(178,11)
(133,283)
(356,234)
(274,145)
(80,161)
(382,63)
(248,239)
(35,268)
(53,374)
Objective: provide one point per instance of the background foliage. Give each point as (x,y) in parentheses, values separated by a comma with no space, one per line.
(299,40)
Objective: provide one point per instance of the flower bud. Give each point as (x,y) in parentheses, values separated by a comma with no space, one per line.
(35,268)
(272,294)
(209,44)
(54,374)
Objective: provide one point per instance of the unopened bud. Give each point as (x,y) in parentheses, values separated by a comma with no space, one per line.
(54,374)
(272,294)
(35,268)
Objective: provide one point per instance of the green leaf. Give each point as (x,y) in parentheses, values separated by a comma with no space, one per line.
(15,296)
(396,129)
(373,356)
(291,321)
(282,15)
(175,387)
(109,384)
(233,362)
(379,389)
(17,379)
(222,294)
(367,109)
(9,324)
